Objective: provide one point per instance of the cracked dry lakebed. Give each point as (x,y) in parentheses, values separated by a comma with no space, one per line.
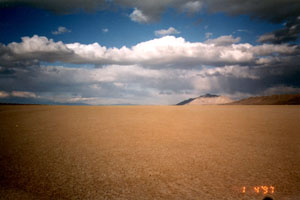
(149,152)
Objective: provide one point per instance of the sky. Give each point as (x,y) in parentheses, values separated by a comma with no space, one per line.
(159,52)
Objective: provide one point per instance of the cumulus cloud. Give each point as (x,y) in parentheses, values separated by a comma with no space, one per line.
(268,37)
(23,94)
(223,40)
(169,31)
(165,52)
(114,84)
(192,6)
(32,50)
(138,16)
(164,70)
(61,30)
(3,94)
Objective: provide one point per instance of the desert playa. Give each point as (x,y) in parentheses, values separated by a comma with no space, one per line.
(149,152)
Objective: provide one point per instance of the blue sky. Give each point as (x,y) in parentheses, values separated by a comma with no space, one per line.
(88,27)
(119,52)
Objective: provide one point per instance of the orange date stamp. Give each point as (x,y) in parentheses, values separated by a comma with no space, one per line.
(263,189)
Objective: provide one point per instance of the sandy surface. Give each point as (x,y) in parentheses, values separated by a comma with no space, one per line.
(149,152)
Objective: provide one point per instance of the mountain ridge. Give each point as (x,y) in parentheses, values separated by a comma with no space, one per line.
(212,99)
(207,99)
(278,99)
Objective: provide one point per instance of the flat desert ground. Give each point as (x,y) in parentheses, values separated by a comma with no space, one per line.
(149,152)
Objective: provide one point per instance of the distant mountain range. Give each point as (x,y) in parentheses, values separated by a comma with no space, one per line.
(284,99)
(207,99)
(211,99)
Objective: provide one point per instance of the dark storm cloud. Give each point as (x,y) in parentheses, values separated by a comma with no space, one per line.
(135,84)
(276,11)
(273,10)
(150,9)
(289,33)
(255,80)
(58,6)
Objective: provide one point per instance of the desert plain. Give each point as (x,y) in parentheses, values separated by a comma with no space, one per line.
(149,152)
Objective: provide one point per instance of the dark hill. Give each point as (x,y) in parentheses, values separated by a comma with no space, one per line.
(285,99)
(207,99)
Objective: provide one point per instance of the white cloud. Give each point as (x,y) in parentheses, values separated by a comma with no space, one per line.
(115,84)
(192,6)
(23,94)
(70,99)
(36,44)
(3,94)
(138,16)
(105,30)
(223,40)
(61,30)
(159,71)
(169,31)
(165,52)
(271,49)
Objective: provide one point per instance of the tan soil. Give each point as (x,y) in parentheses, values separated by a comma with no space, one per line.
(148,152)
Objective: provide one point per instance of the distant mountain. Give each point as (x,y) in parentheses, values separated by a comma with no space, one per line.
(185,102)
(207,99)
(285,99)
